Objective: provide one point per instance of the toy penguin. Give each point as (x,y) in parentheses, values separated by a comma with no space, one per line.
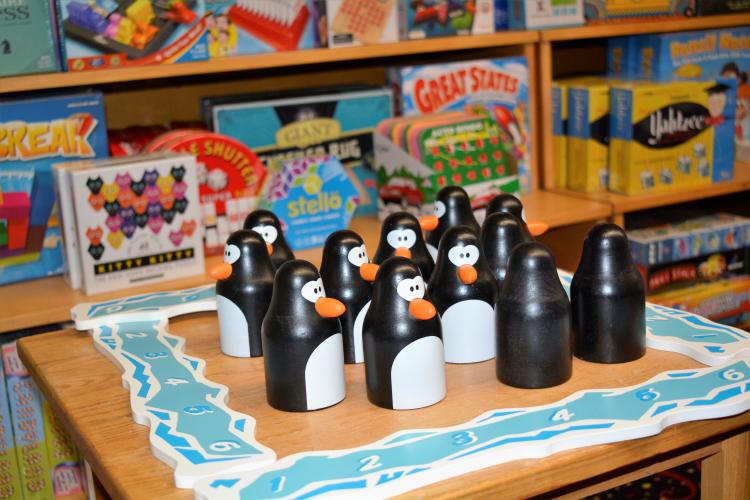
(452,208)
(463,291)
(404,363)
(243,292)
(533,322)
(401,234)
(508,203)
(344,256)
(303,349)
(608,299)
(501,232)
(265,223)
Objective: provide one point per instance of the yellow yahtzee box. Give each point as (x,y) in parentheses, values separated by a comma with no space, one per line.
(588,134)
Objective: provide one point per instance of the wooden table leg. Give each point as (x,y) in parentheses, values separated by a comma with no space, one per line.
(726,475)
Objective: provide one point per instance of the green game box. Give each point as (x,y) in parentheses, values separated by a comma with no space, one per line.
(27,38)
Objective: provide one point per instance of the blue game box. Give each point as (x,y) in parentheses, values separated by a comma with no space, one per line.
(36,132)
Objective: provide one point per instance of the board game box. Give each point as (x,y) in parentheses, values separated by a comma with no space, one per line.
(671,135)
(26,41)
(560,132)
(315,123)
(539,14)
(360,22)
(498,88)
(36,132)
(430,18)
(712,7)
(588,135)
(10,479)
(114,33)
(629,10)
(137,220)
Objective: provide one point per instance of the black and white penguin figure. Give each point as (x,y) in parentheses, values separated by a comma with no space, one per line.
(265,223)
(404,360)
(243,292)
(463,291)
(303,349)
(501,233)
(401,235)
(344,255)
(508,203)
(452,208)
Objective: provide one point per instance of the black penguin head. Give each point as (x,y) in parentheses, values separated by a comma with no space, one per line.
(399,287)
(245,256)
(459,254)
(606,250)
(532,274)
(298,287)
(265,223)
(453,201)
(401,232)
(501,231)
(344,254)
(506,203)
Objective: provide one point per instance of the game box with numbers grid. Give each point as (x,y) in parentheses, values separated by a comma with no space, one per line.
(360,22)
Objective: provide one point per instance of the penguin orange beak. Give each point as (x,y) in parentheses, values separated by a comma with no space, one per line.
(329,308)
(422,309)
(403,252)
(269,247)
(537,227)
(368,271)
(221,271)
(467,274)
(428,222)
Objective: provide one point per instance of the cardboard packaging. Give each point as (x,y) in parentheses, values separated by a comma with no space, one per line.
(542,14)
(588,135)
(629,10)
(109,33)
(10,480)
(36,132)
(560,132)
(418,20)
(352,23)
(671,136)
(713,7)
(27,40)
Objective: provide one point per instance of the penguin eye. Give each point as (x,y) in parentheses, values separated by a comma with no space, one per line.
(231,254)
(410,289)
(439,209)
(269,233)
(460,256)
(357,256)
(312,291)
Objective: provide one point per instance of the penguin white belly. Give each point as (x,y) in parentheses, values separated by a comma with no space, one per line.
(418,374)
(324,374)
(233,334)
(359,352)
(469,332)
(432,251)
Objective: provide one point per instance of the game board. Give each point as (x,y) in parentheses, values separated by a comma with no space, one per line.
(133,333)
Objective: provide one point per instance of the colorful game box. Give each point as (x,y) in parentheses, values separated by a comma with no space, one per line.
(621,57)
(282,127)
(712,7)
(501,15)
(588,135)
(230,177)
(695,237)
(313,197)
(34,133)
(696,270)
(137,220)
(628,10)
(498,88)
(560,132)
(361,22)
(417,156)
(256,26)
(430,18)
(671,135)
(66,466)
(28,426)
(100,34)
(538,14)
(10,479)
(26,41)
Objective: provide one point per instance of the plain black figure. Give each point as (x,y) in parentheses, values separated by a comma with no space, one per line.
(303,350)
(243,292)
(401,234)
(344,254)
(608,299)
(510,204)
(404,362)
(463,290)
(533,322)
(265,223)
(452,208)
(501,232)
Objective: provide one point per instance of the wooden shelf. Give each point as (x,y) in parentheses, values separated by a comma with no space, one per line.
(622,204)
(49,300)
(266,61)
(658,25)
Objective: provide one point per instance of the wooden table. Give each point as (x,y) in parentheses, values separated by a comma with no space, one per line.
(84,389)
